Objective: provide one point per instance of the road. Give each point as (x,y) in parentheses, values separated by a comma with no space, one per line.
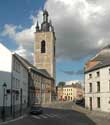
(54,116)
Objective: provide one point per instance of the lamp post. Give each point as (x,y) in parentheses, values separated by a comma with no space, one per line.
(4,94)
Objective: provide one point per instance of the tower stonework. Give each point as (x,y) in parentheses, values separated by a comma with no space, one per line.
(44,47)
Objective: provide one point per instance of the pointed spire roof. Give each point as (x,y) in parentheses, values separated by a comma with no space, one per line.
(37,26)
(45,12)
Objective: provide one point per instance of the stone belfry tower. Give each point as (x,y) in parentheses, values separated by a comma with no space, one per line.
(44,47)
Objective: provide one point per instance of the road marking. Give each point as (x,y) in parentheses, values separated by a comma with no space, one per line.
(43,116)
(36,117)
(48,115)
(53,115)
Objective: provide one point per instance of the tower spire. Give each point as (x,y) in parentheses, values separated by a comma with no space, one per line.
(45,16)
(45,24)
(37,26)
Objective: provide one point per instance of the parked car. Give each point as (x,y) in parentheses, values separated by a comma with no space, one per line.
(36,109)
(80,102)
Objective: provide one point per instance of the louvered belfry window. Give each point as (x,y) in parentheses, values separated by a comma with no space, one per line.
(43,47)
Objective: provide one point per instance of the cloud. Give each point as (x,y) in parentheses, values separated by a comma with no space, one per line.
(72,72)
(24,53)
(24,37)
(82,26)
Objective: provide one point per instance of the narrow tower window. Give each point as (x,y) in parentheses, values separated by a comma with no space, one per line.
(43,47)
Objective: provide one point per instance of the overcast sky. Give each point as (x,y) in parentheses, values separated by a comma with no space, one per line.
(82,28)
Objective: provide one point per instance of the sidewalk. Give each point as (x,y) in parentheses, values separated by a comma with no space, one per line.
(54,104)
(91,113)
(17,116)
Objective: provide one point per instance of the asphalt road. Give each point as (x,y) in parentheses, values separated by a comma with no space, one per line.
(52,116)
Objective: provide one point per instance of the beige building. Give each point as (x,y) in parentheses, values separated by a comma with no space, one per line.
(44,48)
(40,89)
(70,92)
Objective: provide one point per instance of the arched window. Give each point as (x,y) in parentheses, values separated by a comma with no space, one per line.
(43,47)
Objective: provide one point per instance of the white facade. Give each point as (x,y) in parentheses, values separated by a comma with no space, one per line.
(15,75)
(20,84)
(97,89)
(5,72)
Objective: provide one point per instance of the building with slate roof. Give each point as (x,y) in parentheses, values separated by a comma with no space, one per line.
(97,81)
(41,84)
(25,85)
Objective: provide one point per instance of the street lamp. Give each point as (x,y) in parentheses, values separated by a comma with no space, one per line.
(4,94)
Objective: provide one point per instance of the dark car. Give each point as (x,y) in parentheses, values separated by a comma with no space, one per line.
(36,109)
(80,102)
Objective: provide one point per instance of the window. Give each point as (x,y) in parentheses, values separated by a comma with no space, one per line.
(98,74)
(90,76)
(17,96)
(90,87)
(43,47)
(98,86)
(109,71)
(16,66)
(98,102)
(90,102)
(109,85)
(16,84)
(13,82)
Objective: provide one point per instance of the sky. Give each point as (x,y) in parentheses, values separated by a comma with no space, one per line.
(82,28)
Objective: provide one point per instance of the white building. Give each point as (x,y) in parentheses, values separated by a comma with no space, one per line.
(26,84)
(97,81)
(15,75)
